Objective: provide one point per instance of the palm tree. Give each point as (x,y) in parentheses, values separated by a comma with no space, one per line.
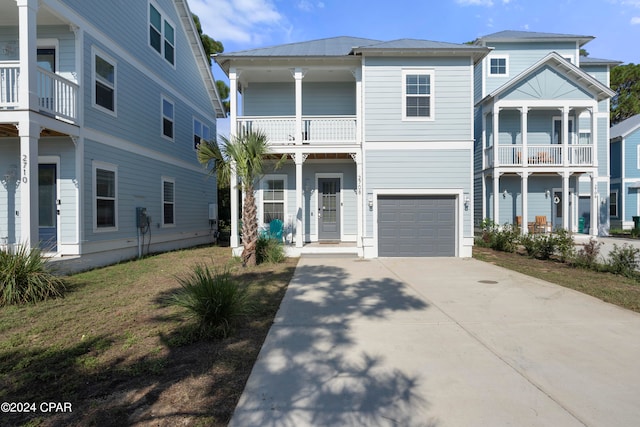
(247,152)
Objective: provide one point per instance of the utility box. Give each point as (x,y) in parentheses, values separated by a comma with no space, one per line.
(142,219)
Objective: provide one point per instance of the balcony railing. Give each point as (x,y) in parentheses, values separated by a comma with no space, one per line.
(540,155)
(315,129)
(56,95)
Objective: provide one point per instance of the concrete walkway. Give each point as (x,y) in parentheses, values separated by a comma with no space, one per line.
(441,342)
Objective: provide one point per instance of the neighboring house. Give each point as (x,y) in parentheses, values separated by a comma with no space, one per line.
(379,137)
(100,111)
(625,172)
(542,133)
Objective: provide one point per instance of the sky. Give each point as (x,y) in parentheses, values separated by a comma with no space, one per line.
(250,24)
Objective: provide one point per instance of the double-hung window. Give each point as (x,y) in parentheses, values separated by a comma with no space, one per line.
(161,35)
(273,198)
(167,118)
(168,201)
(613,204)
(499,66)
(105,196)
(104,82)
(417,95)
(201,132)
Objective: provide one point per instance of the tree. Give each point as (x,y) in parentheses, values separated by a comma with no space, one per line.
(247,152)
(211,47)
(625,81)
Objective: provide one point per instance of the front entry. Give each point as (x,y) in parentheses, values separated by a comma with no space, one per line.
(329,209)
(556,207)
(47,207)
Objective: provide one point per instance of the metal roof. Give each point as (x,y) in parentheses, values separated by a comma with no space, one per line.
(625,127)
(531,36)
(587,60)
(334,46)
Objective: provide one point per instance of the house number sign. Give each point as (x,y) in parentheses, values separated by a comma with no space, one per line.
(25,162)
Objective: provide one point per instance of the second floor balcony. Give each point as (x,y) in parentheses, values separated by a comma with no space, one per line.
(540,155)
(314,130)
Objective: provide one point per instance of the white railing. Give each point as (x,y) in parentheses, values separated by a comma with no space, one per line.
(9,74)
(540,155)
(510,155)
(580,154)
(544,155)
(315,130)
(57,96)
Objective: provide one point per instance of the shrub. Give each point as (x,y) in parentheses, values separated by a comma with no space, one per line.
(563,245)
(587,256)
(25,278)
(505,238)
(269,250)
(214,299)
(623,260)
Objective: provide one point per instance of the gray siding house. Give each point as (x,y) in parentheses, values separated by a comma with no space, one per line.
(100,111)
(379,137)
(542,133)
(625,173)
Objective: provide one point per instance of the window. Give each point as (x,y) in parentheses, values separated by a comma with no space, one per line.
(168,201)
(161,35)
(613,204)
(499,66)
(167,118)
(200,132)
(105,190)
(273,195)
(104,77)
(417,95)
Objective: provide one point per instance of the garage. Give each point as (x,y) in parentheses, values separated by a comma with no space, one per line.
(416,226)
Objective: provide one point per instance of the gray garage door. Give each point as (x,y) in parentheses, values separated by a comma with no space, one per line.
(410,226)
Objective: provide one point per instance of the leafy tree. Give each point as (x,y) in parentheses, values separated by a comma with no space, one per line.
(583,52)
(212,47)
(247,151)
(625,81)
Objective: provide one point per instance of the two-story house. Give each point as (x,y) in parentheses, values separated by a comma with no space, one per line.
(542,133)
(625,173)
(379,137)
(101,107)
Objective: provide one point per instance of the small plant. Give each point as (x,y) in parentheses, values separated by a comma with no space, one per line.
(587,256)
(214,299)
(269,250)
(623,260)
(564,246)
(505,238)
(25,278)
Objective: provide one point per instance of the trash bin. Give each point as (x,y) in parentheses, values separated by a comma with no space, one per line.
(581,225)
(636,223)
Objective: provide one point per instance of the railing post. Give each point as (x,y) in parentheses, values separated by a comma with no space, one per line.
(28,96)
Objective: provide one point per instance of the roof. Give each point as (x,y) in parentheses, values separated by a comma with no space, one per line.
(625,127)
(334,46)
(422,47)
(587,60)
(531,36)
(554,59)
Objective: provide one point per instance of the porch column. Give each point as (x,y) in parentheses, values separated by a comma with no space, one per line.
(29,134)
(496,134)
(357,157)
(298,75)
(299,158)
(233,102)
(496,197)
(565,136)
(357,74)
(28,91)
(594,134)
(595,212)
(233,189)
(525,202)
(524,124)
(484,142)
(565,200)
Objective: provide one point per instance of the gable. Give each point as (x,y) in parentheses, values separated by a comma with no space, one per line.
(546,83)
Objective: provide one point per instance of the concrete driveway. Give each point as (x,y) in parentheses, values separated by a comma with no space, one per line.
(441,342)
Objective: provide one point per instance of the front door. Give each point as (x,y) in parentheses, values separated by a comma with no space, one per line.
(556,207)
(47,207)
(329,209)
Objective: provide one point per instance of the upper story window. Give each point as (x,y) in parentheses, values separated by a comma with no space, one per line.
(200,132)
(167,118)
(499,66)
(105,196)
(417,95)
(168,201)
(161,35)
(104,82)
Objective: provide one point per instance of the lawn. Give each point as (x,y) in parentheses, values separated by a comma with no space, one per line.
(120,355)
(615,289)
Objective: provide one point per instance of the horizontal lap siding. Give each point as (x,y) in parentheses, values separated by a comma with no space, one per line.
(451,107)
(631,155)
(269,99)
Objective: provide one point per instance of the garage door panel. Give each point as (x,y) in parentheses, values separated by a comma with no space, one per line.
(416,226)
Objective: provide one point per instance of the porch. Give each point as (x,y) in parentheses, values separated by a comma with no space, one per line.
(540,155)
(315,130)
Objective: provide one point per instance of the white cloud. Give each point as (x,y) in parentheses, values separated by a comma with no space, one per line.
(635,20)
(240,21)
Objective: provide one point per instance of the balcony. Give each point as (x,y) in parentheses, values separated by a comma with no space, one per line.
(540,155)
(316,130)
(57,96)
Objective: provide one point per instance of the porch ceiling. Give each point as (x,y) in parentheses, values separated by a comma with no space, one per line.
(9,15)
(317,156)
(10,131)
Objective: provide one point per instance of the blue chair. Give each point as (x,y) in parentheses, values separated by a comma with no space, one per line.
(276,227)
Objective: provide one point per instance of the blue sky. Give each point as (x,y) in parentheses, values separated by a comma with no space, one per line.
(249,24)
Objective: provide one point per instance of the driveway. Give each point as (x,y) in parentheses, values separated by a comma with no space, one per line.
(441,342)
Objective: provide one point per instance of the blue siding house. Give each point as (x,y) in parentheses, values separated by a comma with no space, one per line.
(100,111)
(625,172)
(542,133)
(379,137)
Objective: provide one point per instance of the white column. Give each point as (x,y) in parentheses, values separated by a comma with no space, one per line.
(565,136)
(496,135)
(484,143)
(484,196)
(595,213)
(298,75)
(357,157)
(496,197)
(565,200)
(594,135)
(524,124)
(233,178)
(29,134)
(233,102)
(357,73)
(233,188)
(299,159)
(525,202)
(28,92)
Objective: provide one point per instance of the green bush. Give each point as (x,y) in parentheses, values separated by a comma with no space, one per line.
(214,299)
(587,256)
(563,245)
(505,238)
(544,246)
(25,278)
(269,250)
(623,260)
